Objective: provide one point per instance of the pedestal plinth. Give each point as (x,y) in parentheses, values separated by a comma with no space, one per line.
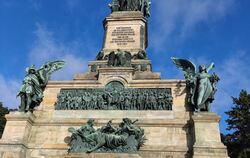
(125,31)
(207,136)
(15,137)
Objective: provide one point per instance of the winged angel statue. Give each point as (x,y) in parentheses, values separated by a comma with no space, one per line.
(31,92)
(201,85)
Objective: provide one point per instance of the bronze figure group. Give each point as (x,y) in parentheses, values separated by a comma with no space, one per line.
(125,138)
(131,5)
(125,99)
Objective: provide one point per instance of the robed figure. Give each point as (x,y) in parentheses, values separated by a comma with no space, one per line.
(201,85)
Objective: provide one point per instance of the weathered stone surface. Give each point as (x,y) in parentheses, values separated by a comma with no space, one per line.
(12,151)
(165,130)
(147,76)
(86,76)
(169,133)
(125,31)
(207,136)
(18,127)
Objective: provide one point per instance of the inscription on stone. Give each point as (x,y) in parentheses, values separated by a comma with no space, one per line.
(122,36)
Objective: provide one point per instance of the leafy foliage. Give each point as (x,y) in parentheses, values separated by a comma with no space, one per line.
(3,112)
(238,142)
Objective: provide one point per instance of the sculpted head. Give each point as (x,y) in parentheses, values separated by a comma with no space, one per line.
(31,69)
(202,68)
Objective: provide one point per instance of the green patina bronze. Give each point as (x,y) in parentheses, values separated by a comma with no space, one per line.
(126,138)
(131,5)
(115,97)
(31,92)
(119,58)
(201,85)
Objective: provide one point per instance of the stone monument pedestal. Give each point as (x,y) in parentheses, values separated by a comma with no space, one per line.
(15,137)
(207,136)
(119,84)
(125,30)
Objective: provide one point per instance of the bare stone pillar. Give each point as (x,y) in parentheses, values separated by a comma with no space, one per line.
(207,136)
(17,131)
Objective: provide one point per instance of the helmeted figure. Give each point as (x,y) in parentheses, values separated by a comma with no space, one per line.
(201,85)
(31,92)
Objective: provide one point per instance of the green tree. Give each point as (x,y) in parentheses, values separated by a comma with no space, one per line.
(3,112)
(238,142)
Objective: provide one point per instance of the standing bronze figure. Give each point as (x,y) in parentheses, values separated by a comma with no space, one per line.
(131,5)
(201,85)
(31,92)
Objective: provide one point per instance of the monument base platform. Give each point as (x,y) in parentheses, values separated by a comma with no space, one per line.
(102,155)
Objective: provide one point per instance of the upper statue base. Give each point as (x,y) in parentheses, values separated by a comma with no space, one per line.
(127,31)
(207,136)
(139,70)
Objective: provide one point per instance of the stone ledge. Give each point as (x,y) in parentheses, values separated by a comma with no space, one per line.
(146,148)
(21,116)
(160,123)
(132,84)
(78,117)
(163,148)
(86,76)
(147,75)
(12,150)
(6,144)
(116,69)
(125,16)
(102,155)
(205,117)
(210,152)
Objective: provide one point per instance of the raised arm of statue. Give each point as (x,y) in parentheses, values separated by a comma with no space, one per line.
(211,66)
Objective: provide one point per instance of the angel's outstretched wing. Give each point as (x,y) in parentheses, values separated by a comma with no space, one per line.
(187,66)
(48,68)
(53,66)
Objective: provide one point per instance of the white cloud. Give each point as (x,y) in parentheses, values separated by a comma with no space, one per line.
(8,92)
(73,3)
(234,74)
(179,18)
(47,48)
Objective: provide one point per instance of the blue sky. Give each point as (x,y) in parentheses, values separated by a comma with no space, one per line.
(204,31)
